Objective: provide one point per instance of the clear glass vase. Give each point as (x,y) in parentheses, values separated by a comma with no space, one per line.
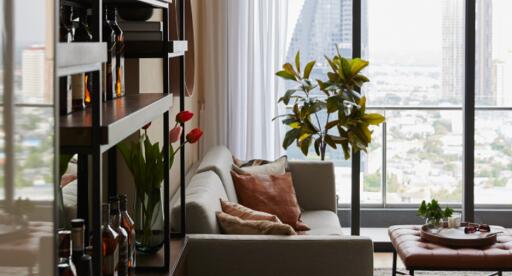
(149,222)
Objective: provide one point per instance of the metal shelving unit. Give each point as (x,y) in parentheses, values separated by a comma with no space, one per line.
(96,130)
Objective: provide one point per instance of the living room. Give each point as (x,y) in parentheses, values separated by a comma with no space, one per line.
(258,137)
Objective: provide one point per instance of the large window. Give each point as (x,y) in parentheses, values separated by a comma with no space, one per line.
(416,62)
(33,99)
(417,73)
(493,124)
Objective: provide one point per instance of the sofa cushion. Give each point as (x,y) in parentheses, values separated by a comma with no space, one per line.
(322,222)
(219,160)
(278,166)
(245,213)
(236,226)
(273,194)
(202,197)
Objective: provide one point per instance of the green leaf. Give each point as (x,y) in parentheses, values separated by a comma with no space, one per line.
(297,61)
(286,75)
(331,124)
(346,70)
(373,118)
(289,69)
(332,104)
(290,136)
(308,69)
(357,65)
(287,96)
(346,150)
(304,145)
(318,141)
(328,139)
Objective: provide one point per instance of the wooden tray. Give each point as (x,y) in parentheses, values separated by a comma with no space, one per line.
(455,237)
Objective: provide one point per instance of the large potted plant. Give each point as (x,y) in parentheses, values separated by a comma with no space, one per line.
(346,122)
(145,161)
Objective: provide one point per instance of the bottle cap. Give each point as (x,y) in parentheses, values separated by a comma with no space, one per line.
(77,223)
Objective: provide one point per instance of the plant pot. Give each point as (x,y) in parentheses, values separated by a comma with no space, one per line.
(149,222)
(434,224)
(135,13)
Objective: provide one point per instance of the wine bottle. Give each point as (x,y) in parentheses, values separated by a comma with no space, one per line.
(65,266)
(119,37)
(109,36)
(82,261)
(66,32)
(109,244)
(115,216)
(129,226)
(82,83)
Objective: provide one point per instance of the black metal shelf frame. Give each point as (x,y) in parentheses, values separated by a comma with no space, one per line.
(101,137)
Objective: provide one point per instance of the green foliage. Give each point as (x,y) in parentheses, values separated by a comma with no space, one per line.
(433,212)
(342,98)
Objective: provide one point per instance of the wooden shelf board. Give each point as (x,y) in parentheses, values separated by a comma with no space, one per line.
(178,254)
(155,49)
(72,60)
(120,118)
(153,3)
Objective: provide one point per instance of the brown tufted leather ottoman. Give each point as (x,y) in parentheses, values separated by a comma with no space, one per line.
(417,254)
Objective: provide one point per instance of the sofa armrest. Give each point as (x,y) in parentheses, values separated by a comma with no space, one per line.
(278,255)
(314,184)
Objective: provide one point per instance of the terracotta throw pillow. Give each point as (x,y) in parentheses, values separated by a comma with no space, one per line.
(245,213)
(258,166)
(273,194)
(236,226)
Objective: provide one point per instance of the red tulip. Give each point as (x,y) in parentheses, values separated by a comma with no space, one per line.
(174,134)
(184,116)
(194,135)
(146,126)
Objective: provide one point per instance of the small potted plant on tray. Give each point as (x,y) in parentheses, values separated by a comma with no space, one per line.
(433,213)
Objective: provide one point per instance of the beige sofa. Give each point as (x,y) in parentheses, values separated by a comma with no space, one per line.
(324,250)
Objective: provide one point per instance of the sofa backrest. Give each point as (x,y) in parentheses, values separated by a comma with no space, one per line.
(219,160)
(203,196)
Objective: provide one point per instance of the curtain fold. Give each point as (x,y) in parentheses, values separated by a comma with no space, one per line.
(244,45)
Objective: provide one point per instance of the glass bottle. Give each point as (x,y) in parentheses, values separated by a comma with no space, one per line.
(66,32)
(82,261)
(65,266)
(109,36)
(109,244)
(129,226)
(115,216)
(119,37)
(82,83)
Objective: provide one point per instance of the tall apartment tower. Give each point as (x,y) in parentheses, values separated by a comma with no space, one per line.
(33,68)
(323,25)
(453,31)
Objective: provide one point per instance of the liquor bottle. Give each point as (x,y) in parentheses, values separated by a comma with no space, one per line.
(65,266)
(129,226)
(109,244)
(66,32)
(82,83)
(82,261)
(109,36)
(119,36)
(115,216)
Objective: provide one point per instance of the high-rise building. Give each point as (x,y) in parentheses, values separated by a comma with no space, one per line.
(453,27)
(322,26)
(484,92)
(33,64)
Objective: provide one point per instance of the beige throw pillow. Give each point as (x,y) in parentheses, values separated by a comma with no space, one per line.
(278,166)
(236,226)
(245,213)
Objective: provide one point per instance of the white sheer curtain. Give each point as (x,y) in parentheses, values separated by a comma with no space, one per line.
(247,45)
